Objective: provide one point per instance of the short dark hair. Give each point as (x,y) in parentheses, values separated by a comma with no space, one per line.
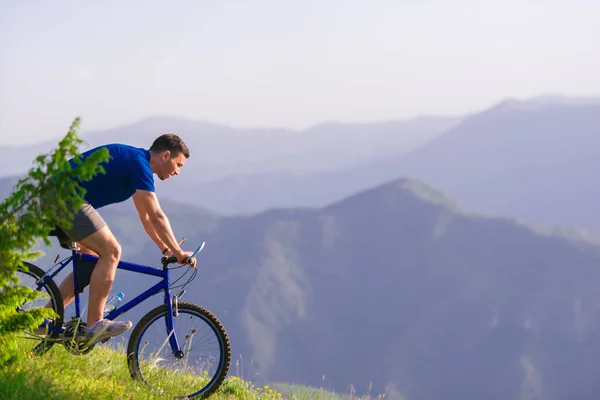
(172,143)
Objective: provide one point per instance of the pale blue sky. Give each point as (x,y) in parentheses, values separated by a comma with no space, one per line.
(283,63)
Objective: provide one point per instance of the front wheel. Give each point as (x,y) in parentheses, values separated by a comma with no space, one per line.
(205,355)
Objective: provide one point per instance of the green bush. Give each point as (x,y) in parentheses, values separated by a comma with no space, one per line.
(25,219)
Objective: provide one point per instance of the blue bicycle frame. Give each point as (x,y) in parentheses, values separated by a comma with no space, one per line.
(164,284)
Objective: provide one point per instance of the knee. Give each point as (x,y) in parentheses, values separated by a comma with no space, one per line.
(112,251)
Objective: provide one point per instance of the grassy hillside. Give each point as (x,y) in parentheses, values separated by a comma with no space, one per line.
(103,374)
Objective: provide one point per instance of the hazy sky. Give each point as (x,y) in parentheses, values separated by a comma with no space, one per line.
(281,63)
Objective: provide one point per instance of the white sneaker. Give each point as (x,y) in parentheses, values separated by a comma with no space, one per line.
(105,329)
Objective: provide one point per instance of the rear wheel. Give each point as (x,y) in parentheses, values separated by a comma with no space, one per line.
(205,355)
(36,279)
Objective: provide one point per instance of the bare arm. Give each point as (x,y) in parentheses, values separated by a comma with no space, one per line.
(150,229)
(156,222)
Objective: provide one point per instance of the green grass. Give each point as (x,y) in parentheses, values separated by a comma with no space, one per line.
(103,374)
(100,374)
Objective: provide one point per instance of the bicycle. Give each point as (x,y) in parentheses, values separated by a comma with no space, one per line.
(163,317)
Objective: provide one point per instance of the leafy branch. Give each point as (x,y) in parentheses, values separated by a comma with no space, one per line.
(39,202)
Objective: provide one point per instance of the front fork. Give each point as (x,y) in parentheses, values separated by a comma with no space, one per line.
(172,303)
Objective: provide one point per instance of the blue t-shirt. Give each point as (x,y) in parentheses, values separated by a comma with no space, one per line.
(127,170)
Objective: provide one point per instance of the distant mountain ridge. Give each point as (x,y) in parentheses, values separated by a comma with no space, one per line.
(218,150)
(533,161)
(539,165)
(552,99)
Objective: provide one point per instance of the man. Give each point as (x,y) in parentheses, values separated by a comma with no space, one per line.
(128,173)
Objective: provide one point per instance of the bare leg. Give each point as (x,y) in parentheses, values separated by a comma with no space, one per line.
(105,246)
(108,249)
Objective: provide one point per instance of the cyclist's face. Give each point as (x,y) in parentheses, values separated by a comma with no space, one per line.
(170,165)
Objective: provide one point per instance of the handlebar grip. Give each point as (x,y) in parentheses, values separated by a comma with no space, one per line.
(172,260)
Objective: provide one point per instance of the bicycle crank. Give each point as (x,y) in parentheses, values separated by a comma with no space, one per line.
(75,343)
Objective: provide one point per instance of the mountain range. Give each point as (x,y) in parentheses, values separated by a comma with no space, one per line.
(535,161)
(218,151)
(528,159)
(397,286)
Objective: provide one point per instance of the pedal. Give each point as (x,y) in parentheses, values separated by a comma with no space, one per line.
(71,342)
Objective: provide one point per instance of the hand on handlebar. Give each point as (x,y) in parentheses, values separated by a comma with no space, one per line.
(183,258)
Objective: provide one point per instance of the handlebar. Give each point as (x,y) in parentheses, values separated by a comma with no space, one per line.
(172,259)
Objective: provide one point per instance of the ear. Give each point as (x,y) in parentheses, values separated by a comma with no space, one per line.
(166,155)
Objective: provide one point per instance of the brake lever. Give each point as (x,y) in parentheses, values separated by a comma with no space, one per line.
(198,250)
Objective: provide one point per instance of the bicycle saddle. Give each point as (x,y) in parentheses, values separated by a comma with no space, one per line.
(63,239)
